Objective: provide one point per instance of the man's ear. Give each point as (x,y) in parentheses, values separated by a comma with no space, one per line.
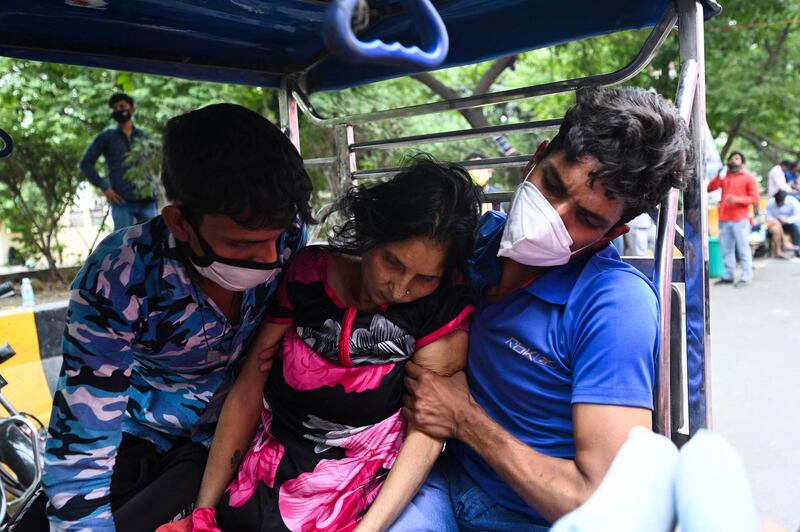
(535,159)
(176,223)
(616,231)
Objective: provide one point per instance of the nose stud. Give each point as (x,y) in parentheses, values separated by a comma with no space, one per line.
(408,292)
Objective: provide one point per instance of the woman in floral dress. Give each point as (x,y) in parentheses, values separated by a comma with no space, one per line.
(332,450)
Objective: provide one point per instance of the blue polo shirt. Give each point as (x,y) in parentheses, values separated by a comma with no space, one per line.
(585,332)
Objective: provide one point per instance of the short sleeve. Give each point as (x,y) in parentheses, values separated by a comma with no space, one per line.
(614,341)
(446,310)
(306,267)
(281,309)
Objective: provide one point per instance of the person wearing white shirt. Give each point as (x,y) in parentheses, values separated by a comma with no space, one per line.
(783,217)
(641,237)
(776,178)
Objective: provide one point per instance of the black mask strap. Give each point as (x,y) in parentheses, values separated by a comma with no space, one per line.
(209,256)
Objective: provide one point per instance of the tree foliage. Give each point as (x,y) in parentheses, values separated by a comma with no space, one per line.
(752,73)
(40,182)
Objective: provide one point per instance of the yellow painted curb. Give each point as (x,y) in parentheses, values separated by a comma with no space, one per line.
(27,387)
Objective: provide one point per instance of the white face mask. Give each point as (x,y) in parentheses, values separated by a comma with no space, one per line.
(534,234)
(235,278)
(231,274)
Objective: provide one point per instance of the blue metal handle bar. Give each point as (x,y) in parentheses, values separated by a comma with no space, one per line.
(338,35)
(8,144)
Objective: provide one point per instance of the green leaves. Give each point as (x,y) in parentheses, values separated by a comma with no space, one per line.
(53,111)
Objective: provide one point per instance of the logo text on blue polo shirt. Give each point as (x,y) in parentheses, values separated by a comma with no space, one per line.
(526,352)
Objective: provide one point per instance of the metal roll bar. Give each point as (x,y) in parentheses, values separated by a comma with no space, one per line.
(516,161)
(664,269)
(662,275)
(319,162)
(642,59)
(695,221)
(463,134)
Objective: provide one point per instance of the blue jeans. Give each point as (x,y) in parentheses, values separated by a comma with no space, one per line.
(450,501)
(132,212)
(793,230)
(734,239)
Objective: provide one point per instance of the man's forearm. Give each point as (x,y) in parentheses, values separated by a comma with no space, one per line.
(237,424)
(552,486)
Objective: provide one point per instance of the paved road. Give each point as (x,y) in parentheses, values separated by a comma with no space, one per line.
(755,344)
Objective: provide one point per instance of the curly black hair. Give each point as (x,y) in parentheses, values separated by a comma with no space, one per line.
(428,199)
(226,159)
(640,140)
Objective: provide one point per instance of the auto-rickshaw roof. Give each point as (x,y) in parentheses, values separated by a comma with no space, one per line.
(255,42)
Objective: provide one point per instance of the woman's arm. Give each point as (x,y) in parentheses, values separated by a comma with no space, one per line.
(238,419)
(419,451)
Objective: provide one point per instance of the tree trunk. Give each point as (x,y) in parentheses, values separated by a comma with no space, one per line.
(778,148)
(99,230)
(51,265)
(756,142)
(733,131)
(47,252)
(475,117)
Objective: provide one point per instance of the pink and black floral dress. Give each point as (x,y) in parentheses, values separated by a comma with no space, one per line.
(331,424)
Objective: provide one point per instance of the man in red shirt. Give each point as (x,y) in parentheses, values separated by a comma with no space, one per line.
(739,192)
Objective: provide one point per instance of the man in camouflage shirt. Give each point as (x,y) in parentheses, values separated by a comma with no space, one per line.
(159,318)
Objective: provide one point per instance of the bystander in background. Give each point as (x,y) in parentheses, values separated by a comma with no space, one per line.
(739,192)
(130,204)
(777,178)
(783,219)
(641,239)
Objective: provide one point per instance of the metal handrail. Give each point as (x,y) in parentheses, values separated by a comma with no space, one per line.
(515,161)
(319,162)
(695,221)
(647,266)
(662,275)
(498,197)
(642,59)
(461,134)
(447,136)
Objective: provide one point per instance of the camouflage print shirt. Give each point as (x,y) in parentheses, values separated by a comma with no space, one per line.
(144,352)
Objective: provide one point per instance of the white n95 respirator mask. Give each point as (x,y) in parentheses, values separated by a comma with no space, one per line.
(534,234)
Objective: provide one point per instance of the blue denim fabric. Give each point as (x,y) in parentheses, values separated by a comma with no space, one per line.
(132,212)
(450,501)
(734,239)
(793,230)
